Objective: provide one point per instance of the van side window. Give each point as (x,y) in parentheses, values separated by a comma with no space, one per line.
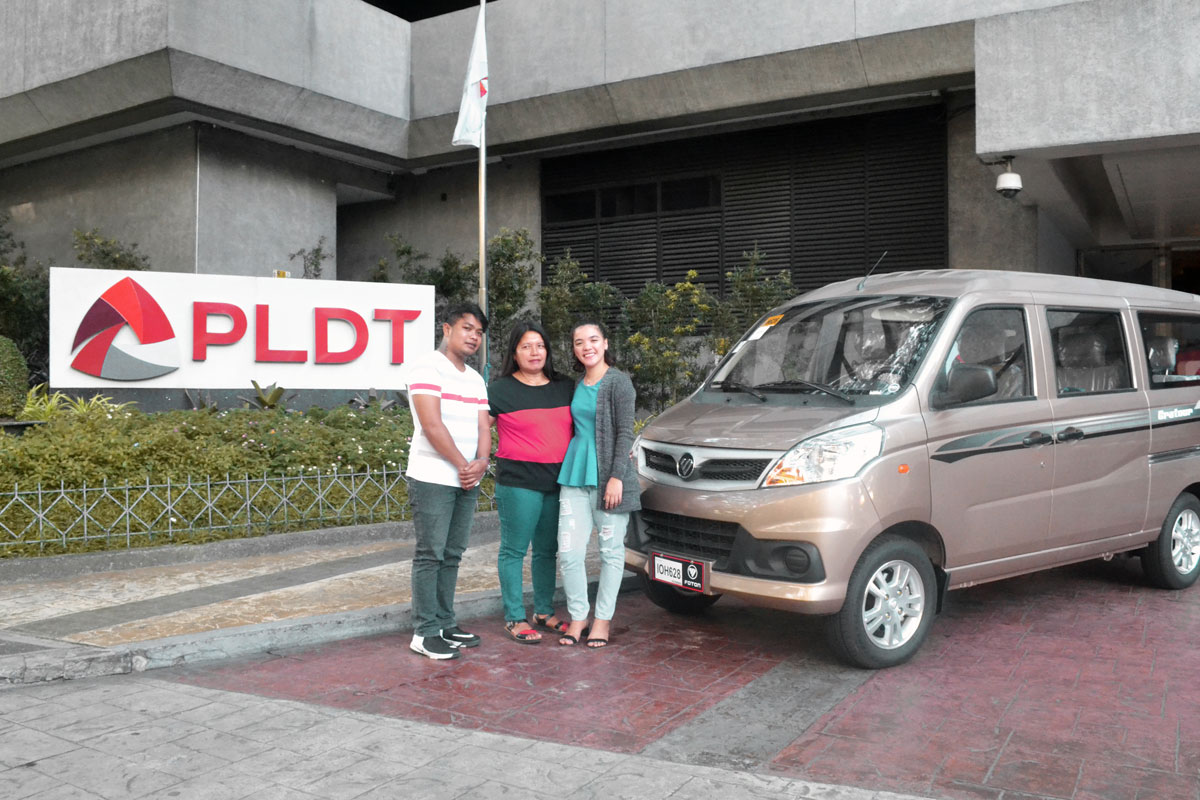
(1089,351)
(1172,346)
(994,338)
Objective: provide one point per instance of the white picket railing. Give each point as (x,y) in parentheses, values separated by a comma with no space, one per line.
(122,515)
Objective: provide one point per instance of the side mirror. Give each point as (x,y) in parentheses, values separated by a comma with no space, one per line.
(966,382)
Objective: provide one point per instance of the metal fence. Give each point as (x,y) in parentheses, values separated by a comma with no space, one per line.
(111,516)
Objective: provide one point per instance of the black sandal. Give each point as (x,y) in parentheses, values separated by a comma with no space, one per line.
(567,640)
(543,621)
(527,636)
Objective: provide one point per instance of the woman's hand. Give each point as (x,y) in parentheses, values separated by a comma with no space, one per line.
(612,493)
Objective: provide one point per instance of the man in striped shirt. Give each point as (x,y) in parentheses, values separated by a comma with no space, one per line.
(449,456)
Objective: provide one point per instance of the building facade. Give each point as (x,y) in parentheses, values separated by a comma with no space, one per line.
(647,138)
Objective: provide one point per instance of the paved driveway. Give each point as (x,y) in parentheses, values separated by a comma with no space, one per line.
(1078,683)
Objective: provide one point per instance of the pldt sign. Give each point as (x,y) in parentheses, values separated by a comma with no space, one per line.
(172,330)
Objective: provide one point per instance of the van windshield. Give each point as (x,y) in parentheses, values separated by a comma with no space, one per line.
(845,350)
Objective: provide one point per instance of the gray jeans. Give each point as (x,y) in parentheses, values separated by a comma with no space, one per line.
(442,517)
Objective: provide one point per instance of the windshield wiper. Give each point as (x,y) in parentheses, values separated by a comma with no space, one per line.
(798,384)
(735,386)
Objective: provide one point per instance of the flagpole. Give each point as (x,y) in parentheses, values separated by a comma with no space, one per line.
(483,236)
(471,129)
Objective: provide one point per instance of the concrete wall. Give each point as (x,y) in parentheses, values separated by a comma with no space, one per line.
(1074,79)
(137,190)
(258,203)
(340,48)
(438,211)
(1055,252)
(331,68)
(541,47)
(573,68)
(987,231)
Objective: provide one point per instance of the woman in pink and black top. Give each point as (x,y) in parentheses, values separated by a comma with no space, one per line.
(532,409)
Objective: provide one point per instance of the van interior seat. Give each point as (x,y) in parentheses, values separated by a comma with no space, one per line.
(1187,362)
(866,353)
(1161,354)
(1082,365)
(984,345)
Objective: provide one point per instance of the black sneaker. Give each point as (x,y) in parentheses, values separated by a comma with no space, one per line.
(457,637)
(433,646)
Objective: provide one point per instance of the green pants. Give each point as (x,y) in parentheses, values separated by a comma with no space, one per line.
(442,517)
(527,516)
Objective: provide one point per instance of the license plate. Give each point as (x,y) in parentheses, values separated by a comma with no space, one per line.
(681,572)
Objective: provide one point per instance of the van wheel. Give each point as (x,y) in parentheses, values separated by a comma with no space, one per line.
(677,601)
(889,605)
(1172,561)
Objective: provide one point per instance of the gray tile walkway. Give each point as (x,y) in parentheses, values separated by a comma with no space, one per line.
(132,736)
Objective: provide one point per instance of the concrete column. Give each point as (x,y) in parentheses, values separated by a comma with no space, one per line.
(987,231)
(257,203)
(437,212)
(136,190)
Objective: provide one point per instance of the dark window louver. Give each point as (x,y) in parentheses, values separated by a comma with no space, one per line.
(823,199)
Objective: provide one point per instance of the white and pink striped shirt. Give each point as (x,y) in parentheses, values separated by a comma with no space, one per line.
(463,395)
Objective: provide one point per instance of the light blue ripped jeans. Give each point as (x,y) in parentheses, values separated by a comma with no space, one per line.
(577,515)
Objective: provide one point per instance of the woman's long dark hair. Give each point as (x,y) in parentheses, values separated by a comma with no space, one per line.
(608,353)
(520,328)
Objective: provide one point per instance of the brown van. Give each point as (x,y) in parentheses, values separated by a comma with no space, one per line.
(874,443)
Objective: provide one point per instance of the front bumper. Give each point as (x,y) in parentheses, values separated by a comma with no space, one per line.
(835,521)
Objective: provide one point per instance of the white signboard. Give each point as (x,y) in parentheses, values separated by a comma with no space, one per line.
(177,330)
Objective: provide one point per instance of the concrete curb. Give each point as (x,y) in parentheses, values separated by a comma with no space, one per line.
(84,661)
(15,570)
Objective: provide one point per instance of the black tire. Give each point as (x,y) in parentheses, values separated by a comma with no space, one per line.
(677,601)
(1172,561)
(871,634)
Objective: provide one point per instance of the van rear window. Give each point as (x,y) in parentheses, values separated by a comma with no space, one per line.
(1172,346)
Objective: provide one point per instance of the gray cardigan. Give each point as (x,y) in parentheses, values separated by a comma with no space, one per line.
(615,404)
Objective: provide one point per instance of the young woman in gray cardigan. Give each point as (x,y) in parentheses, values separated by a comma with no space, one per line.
(599,484)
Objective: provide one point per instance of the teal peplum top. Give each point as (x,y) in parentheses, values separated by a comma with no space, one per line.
(579,465)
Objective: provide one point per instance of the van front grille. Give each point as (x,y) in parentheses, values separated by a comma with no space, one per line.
(701,538)
(716,469)
(721,469)
(659,461)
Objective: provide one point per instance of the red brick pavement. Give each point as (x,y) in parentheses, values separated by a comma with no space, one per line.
(1078,683)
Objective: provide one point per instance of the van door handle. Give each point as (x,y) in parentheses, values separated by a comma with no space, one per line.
(1070,434)
(1036,438)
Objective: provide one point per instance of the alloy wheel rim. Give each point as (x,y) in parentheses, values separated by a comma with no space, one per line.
(893,605)
(1185,542)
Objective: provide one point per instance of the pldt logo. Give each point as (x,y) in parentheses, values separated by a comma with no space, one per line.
(127,335)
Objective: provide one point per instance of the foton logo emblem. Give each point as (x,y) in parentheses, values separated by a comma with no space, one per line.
(127,335)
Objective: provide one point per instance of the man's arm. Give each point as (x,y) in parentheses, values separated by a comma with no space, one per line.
(473,472)
(429,414)
(484,450)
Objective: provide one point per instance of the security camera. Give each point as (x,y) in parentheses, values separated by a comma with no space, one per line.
(1008,184)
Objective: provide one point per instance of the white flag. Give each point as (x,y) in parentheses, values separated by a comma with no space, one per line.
(473,111)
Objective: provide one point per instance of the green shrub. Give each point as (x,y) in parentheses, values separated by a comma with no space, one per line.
(512,263)
(453,280)
(662,352)
(750,292)
(25,288)
(88,442)
(24,301)
(124,445)
(14,378)
(93,250)
(311,260)
(568,296)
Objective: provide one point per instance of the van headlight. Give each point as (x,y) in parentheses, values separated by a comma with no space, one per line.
(828,457)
